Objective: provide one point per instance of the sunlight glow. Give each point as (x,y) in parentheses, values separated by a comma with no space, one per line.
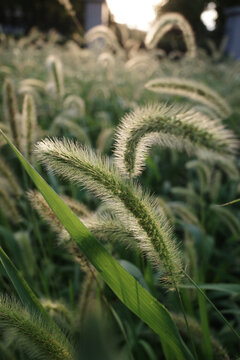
(209,16)
(138,14)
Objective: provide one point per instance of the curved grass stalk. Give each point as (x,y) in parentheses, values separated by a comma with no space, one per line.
(166,23)
(55,67)
(32,333)
(173,127)
(29,123)
(76,101)
(218,351)
(102,31)
(193,90)
(136,210)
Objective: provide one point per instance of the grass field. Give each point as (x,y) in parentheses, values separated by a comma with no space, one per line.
(142,146)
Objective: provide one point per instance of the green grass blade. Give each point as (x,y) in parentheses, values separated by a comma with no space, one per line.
(26,295)
(128,290)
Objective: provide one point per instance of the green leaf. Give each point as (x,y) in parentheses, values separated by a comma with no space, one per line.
(26,295)
(127,289)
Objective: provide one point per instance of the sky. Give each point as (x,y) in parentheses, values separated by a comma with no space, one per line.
(140,14)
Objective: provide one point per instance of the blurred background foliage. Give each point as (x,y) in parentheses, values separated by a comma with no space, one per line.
(24,14)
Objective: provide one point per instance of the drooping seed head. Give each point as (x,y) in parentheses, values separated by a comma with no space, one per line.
(168,126)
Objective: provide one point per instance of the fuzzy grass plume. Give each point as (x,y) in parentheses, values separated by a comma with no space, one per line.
(174,127)
(192,90)
(166,23)
(29,123)
(10,110)
(135,209)
(31,333)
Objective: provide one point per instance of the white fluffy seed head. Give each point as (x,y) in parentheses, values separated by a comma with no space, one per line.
(137,211)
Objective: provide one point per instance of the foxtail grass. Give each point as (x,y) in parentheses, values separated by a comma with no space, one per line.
(169,126)
(10,109)
(31,333)
(135,209)
(102,31)
(192,90)
(166,23)
(40,205)
(29,123)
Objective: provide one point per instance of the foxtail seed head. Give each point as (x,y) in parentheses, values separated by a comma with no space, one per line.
(193,90)
(166,23)
(135,209)
(174,127)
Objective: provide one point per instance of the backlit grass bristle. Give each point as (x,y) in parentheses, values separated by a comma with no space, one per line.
(169,126)
(32,333)
(135,209)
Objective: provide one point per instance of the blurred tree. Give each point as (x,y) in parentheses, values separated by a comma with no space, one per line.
(44,14)
(192,10)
